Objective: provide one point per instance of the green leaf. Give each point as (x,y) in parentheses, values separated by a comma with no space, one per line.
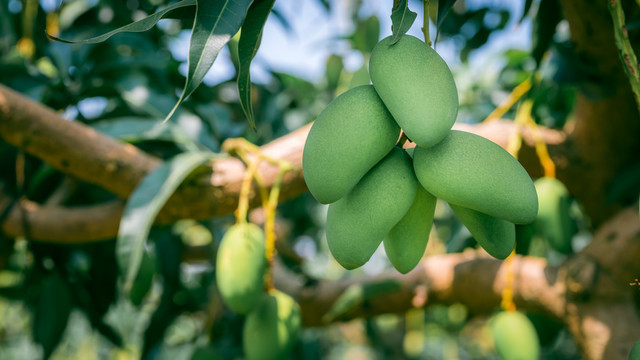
(52,312)
(216,23)
(137,26)
(401,20)
(247,48)
(143,206)
(443,9)
(544,27)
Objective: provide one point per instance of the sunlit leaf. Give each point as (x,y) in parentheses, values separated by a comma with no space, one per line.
(247,49)
(144,204)
(401,20)
(138,26)
(215,24)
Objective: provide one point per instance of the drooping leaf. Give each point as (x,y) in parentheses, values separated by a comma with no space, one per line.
(52,312)
(247,49)
(137,26)
(401,20)
(215,24)
(144,204)
(443,9)
(544,27)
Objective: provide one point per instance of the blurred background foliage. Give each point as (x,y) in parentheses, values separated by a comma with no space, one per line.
(62,301)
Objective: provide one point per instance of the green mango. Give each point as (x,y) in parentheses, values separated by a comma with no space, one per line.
(635,351)
(240,267)
(417,87)
(352,134)
(554,222)
(271,329)
(473,172)
(407,240)
(496,236)
(514,336)
(357,223)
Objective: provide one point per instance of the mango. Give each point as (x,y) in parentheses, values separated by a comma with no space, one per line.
(473,172)
(407,240)
(352,134)
(240,267)
(514,336)
(496,236)
(417,87)
(554,221)
(271,329)
(357,223)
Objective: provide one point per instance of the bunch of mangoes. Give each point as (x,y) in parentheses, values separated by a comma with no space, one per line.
(380,193)
(273,318)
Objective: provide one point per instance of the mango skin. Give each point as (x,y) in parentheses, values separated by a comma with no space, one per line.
(407,240)
(514,336)
(417,87)
(496,236)
(473,172)
(357,223)
(554,222)
(271,329)
(352,134)
(240,267)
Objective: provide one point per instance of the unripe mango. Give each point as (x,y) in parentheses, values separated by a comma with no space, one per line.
(357,223)
(408,239)
(496,236)
(514,336)
(554,222)
(473,172)
(417,87)
(240,267)
(352,134)
(271,329)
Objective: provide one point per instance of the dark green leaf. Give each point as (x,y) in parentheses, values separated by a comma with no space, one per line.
(443,9)
(544,27)
(52,312)
(216,22)
(143,206)
(247,49)
(401,20)
(138,26)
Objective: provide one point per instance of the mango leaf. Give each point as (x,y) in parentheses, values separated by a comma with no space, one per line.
(247,49)
(144,204)
(216,22)
(51,312)
(544,27)
(443,9)
(137,26)
(358,294)
(401,20)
